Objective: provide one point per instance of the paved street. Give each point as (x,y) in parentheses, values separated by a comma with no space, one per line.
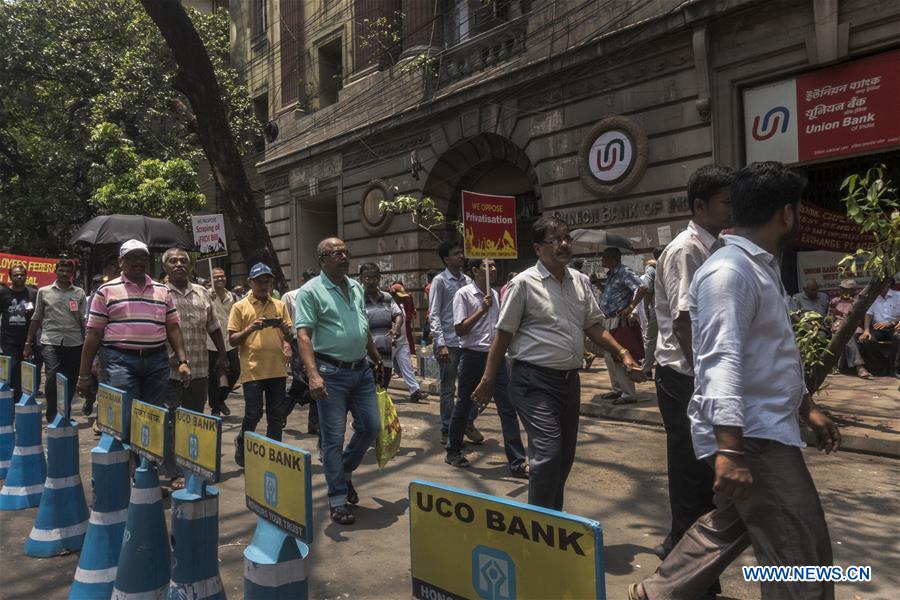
(618,479)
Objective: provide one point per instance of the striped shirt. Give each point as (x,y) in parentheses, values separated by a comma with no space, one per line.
(132,317)
(198,319)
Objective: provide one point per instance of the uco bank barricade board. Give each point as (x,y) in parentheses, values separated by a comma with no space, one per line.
(470,545)
(198,440)
(5,363)
(277,484)
(29,378)
(149,431)
(112,411)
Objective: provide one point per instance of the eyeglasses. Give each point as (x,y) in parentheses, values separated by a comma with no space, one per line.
(336,253)
(558,241)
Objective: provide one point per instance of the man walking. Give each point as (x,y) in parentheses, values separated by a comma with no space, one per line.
(222,300)
(744,412)
(651,328)
(333,337)
(404,354)
(624,291)
(547,311)
(58,313)
(197,321)
(385,319)
(16,307)
(299,390)
(446,343)
(133,317)
(476,310)
(690,480)
(259,327)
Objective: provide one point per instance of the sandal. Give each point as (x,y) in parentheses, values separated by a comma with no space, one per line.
(862,373)
(177,483)
(634,593)
(456,460)
(624,400)
(352,496)
(521,472)
(611,395)
(342,515)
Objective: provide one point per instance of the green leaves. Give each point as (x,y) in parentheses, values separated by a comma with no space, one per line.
(90,121)
(872,204)
(422,211)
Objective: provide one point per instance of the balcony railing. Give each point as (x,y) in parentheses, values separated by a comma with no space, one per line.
(482,51)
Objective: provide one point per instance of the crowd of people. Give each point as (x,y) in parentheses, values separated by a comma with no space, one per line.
(717,341)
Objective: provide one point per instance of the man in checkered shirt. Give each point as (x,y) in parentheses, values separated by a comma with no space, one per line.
(198,318)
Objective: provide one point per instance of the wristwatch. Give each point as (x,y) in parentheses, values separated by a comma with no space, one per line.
(184,362)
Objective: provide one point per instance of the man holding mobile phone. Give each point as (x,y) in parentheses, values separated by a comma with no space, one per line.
(476,310)
(259,325)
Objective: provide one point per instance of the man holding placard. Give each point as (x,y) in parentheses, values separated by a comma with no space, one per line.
(58,313)
(333,337)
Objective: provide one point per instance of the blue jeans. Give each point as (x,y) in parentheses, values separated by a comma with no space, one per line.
(268,392)
(448,371)
(144,378)
(349,390)
(471,368)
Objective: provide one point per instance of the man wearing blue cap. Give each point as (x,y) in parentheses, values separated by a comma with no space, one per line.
(259,326)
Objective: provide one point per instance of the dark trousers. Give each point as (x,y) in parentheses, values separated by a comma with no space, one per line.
(782,519)
(63,360)
(690,480)
(14,350)
(471,368)
(218,395)
(884,335)
(547,403)
(271,394)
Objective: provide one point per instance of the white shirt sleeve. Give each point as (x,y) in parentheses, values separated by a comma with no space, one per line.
(435,303)
(725,302)
(459,308)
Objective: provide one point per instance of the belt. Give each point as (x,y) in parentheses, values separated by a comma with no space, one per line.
(564,374)
(340,364)
(135,352)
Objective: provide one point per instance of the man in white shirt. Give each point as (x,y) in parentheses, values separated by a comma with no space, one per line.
(810,299)
(882,322)
(547,311)
(690,480)
(746,410)
(476,310)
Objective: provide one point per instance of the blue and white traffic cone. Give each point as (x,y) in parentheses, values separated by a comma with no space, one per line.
(195,543)
(274,565)
(145,561)
(7,438)
(96,572)
(62,516)
(28,467)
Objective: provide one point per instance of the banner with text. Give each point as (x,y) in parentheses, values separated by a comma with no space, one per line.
(837,111)
(113,411)
(198,441)
(489,223)
(209,235)
(822,266)
(149,431)
(469,545)
(822,229)
(41,271)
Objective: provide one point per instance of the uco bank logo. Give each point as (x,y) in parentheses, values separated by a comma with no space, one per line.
(765,126)
(611,155)
(193,446)
(493,574)
(270,489)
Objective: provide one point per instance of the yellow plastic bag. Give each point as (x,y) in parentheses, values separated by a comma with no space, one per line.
(388,442)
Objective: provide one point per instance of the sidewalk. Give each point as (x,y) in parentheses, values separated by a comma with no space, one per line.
(867,411)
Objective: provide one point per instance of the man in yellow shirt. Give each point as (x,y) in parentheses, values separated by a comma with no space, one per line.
(259,326)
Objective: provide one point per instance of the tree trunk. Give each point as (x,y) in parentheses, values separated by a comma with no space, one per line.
(842,335)
(197,81)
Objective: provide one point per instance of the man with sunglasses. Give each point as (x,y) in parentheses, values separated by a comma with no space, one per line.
(547,311)
(334,340)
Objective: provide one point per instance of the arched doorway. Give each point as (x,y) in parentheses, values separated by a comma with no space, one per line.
(490,164)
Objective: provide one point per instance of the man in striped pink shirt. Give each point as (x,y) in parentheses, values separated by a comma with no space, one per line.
(130,320)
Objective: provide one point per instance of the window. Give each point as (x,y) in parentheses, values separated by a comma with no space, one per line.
(261,112)
(260,17)
(331,72)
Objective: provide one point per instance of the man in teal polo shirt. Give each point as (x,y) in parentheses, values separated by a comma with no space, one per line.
(333,338)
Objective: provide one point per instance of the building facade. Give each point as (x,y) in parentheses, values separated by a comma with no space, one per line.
(595,111)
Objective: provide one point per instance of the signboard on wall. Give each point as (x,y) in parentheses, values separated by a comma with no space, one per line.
(822,266)
(209,235)
(842,110)
(489,222)
(822,229)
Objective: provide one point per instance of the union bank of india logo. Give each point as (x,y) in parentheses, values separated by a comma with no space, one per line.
(611,156)
(765,126)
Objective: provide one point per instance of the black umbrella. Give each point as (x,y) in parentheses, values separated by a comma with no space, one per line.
(158,234)
(599,239)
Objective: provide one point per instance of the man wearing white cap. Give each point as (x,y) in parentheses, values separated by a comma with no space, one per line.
(130,320)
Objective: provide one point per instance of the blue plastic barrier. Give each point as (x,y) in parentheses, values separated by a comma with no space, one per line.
(28,467)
